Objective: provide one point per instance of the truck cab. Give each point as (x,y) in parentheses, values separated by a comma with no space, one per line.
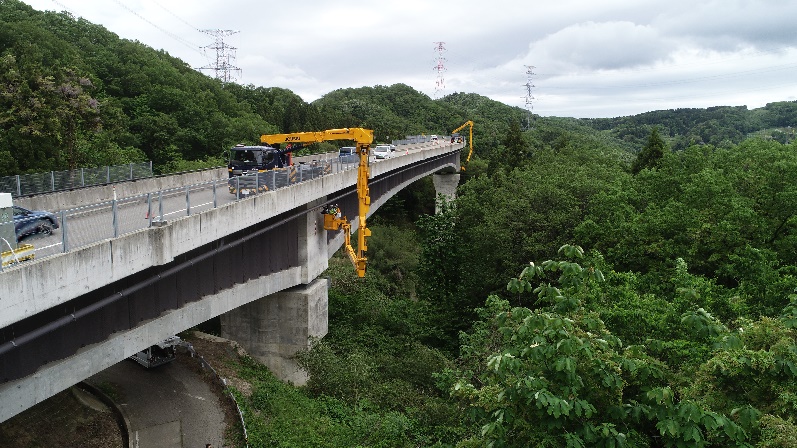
(252,159)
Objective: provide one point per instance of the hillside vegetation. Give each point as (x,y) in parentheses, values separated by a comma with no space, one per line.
(76,95)
(597,282)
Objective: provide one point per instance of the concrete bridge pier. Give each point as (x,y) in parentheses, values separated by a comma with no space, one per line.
(274,328)
(445,184)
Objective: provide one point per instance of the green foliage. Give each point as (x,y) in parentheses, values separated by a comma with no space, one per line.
(651,154)
(374,359)
(716,209)
(273,410)
(688,127)
(77,95)
(557,377)
(756,366)
(777,432)
(501,221)
(394,252)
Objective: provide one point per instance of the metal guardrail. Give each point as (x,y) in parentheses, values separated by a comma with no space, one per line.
(419,139)
(224,386)
(88,224)
(29,184)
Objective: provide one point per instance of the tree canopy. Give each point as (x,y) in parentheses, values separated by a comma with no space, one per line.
(597,282)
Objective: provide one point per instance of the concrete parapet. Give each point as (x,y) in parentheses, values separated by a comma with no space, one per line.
(275,328)
(93,195)
(38,285)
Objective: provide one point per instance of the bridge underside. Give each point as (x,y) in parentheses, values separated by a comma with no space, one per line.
(52,350)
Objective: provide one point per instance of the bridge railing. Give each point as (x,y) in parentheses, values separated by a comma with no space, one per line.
(89,224)
(29,184)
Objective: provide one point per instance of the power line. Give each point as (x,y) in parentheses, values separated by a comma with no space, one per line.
(64,6)
(185,42)
(177,17)
(164,31)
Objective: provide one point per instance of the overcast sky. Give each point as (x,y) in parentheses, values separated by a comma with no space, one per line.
(591,58)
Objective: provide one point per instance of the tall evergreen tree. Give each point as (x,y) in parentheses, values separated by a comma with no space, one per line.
(516,147)
(651,154)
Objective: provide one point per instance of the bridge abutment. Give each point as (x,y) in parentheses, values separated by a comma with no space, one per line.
(445,184)
(276,327)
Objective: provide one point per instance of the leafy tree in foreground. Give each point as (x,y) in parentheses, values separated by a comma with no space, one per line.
(556,376)
(752,374)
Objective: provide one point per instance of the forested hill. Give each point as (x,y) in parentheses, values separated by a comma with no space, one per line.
(76,95)
(718,126)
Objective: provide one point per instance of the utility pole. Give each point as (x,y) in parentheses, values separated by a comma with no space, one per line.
(440,84)
(225,56)
(529,97)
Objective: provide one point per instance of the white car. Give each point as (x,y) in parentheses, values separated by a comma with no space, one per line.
(381,152)
(433,139)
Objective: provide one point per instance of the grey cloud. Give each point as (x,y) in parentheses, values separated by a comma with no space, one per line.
(602,46)
(725,25)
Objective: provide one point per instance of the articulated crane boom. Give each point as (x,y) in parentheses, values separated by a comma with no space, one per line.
(470,139)
(332,219)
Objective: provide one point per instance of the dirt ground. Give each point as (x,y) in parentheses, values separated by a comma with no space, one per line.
(75,418)
(70,418)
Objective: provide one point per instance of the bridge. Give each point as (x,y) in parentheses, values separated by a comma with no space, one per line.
(255,262)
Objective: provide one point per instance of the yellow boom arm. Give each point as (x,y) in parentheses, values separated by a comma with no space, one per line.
(470,140)
(363,138)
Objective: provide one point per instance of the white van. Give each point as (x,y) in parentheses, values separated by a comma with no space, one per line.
(433,138)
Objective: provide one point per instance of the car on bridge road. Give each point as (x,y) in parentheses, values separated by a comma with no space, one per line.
(31,222)
(348,154)
(382,152)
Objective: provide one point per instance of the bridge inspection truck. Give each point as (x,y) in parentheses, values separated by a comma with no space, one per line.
(268,158)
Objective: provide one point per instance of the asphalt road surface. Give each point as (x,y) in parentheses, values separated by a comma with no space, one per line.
(169,406)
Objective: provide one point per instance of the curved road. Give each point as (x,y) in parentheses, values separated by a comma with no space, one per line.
(170,406)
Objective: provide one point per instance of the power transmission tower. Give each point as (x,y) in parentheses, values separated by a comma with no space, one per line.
(440,84)
(225,56)
(529,97)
